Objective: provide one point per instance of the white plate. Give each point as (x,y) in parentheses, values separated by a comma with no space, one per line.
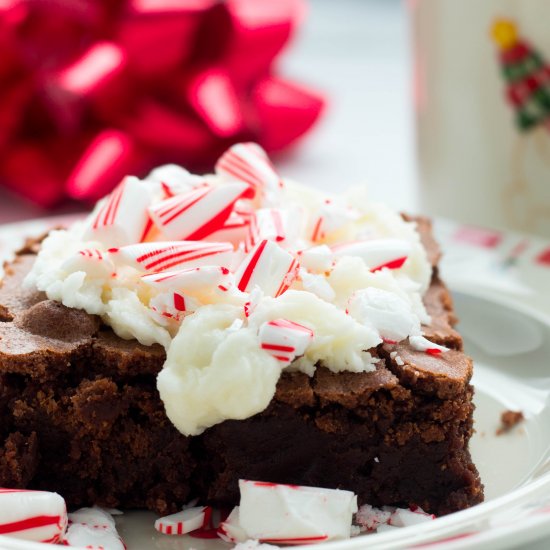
(502,294)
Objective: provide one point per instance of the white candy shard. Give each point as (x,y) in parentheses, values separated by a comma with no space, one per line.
(269,267)
(183,522)
(386,312)
(248,162)
(376,253)
(230,530)
(292,514)
(402,517)
(122,217)
(317,258)
(284,340)
(329,219)
(419,343)
(94,262)
(197,213)
(170,255)
(370,518)
(174,179)
(93,528)
(37,516)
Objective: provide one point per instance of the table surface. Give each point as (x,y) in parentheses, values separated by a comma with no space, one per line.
(357,51)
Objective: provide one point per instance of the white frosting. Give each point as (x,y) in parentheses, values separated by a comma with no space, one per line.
(213,373)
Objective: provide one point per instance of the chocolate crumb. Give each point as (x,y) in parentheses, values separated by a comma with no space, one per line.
(508,420)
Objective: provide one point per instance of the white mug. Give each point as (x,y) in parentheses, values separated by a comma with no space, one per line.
(482,101)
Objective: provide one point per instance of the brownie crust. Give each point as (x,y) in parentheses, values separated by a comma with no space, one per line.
(80,415)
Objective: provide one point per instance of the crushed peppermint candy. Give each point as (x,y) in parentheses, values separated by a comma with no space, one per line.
(290,514)
(201,252)
(186,521)
(419,343)
(285,339)
(93,528)
(38,516)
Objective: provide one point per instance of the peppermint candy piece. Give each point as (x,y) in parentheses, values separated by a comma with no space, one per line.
(292,514)
(93,528)
(330,218)
(37,516)
(191,280)
(276,224)
(236,230)
(317,258)
(183,522)
(172,307)
(370,518)
(174,179)
(93,262)
(122,217)
(419,343)
(269,267)
(230,530)
(376,253)
(386,312)
(164,256)
(285,340)
(248,162)
(402,517)
(197,213)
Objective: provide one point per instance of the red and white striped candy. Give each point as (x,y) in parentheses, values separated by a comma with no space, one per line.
(230,530)
(175,180)
(122,217)
(248,162)
(236,230)
(275,224)
(92,261)
(293,514)
(172,306)
(269,267)
(170,255)
(197,213)
(37,516)
(183,522)
(285,340)
(330,218)
(376,253)
(191,280)
(419,343)
(93,528)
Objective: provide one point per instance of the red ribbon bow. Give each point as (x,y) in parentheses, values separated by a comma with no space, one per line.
(92,90)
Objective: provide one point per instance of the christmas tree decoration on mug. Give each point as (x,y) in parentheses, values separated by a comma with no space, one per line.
(526,75)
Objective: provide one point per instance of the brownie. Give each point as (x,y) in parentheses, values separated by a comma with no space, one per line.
(80,415)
